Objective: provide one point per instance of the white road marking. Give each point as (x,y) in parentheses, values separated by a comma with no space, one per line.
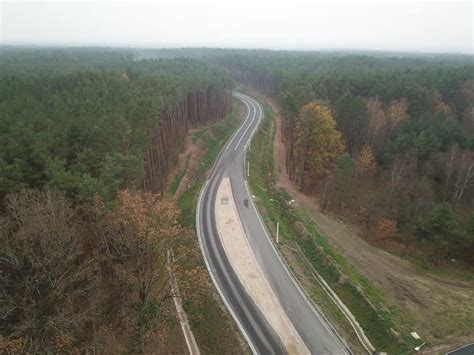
(256,126)
(250,125)
(246,99)
(248,270)
(229,143)
(287,267)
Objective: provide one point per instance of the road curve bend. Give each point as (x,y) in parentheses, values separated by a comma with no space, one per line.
(318,337)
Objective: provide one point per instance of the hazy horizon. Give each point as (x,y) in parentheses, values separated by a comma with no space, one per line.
(416,27)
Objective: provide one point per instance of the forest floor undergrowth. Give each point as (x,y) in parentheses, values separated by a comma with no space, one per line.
(435,302)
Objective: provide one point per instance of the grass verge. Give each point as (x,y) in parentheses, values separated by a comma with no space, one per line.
(298,231)
(175,184)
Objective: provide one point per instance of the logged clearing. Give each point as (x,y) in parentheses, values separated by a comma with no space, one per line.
(440,305)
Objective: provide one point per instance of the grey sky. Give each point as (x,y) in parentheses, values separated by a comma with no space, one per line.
(291,24)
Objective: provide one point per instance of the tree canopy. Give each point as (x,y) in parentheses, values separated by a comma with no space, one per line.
(80,121)
(318,144)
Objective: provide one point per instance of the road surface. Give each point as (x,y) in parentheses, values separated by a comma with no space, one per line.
(262,338)
(465,350)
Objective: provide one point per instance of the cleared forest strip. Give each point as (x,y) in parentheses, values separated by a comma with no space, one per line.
(376,325)
(442,318)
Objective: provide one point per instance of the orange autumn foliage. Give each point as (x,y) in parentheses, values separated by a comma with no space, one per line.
(150,216)
(386,228)
(365,161)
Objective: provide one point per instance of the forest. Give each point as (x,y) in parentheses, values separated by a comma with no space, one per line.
(384,139)
(87,131)
(87,138)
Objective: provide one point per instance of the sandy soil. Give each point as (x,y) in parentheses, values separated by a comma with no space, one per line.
(442,308)
(248,270)
(188,162)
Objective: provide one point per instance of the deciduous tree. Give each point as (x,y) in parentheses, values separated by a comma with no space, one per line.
(146,228)
(464,176)
(386,228)
(48,275)
(317,145)
(366,165)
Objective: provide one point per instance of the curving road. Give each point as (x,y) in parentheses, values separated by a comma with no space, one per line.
(316,334)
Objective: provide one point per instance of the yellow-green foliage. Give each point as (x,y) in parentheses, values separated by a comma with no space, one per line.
(318,144)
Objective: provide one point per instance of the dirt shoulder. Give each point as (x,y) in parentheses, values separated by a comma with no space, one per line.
(183,174)
(441,308)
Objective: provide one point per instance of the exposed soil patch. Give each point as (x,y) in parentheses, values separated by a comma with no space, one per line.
(186,167)
(188,162)
(440,306)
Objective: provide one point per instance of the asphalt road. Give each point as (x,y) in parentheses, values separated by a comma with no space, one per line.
(261,337)
(465,350)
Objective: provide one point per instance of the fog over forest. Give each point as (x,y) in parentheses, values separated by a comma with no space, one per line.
(383,25)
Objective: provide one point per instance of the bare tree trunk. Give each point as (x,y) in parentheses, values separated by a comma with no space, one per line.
(449,171)
(324,195)
(465,177)
(167,140)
